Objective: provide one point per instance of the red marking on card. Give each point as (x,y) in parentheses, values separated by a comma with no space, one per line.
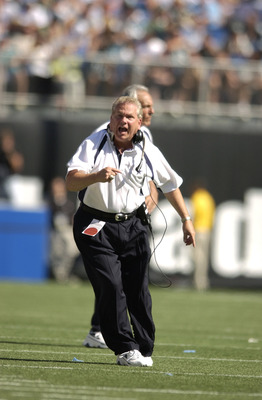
(90,231)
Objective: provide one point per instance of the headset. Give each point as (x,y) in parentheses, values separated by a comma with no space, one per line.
(140,138)
(137,138)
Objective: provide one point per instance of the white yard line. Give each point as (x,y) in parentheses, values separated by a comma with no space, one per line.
(210,359)
(109,354)
(79,342)
(138,370)
(58,391)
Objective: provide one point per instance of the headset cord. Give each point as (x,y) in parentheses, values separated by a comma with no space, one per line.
(154,250)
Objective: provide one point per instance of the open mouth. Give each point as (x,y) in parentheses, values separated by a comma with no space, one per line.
(122,130)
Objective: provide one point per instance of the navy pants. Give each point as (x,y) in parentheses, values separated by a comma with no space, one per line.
(95,321)
(116,261)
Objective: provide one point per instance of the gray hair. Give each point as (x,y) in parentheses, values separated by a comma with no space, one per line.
(133,89)
(131,100)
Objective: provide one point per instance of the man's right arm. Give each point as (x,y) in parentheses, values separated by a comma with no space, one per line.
(77,180)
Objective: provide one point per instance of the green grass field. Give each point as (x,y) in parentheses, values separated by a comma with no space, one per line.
(43,326)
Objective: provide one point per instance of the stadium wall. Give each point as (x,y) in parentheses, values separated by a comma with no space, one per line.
(229,158)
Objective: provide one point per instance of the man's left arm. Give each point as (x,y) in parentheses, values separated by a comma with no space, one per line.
(176,199)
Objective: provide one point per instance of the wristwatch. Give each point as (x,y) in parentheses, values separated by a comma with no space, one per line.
(186,219)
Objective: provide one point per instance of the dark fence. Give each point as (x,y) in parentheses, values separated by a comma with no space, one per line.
(228,157)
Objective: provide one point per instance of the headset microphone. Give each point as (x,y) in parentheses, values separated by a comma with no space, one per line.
(111,134)
(141,138)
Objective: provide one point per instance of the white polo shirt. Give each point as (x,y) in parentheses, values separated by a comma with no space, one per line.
(125,192)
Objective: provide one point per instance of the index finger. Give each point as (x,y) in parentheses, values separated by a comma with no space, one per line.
(116,171)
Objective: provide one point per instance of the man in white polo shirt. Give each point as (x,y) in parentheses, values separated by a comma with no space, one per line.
(109,170)
(94,337)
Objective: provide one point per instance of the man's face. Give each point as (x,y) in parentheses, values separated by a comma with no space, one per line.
(124,123)
(147,106)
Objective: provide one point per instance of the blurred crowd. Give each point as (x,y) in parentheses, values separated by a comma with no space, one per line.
(19,191)
(45,43)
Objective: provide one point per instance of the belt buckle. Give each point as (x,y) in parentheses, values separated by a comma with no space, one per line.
(119,217)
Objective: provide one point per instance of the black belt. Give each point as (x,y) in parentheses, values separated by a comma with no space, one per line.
(108,217)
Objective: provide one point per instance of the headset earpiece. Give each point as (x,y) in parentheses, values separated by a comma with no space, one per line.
(138,137)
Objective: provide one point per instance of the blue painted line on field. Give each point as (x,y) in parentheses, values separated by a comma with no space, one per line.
(76,360)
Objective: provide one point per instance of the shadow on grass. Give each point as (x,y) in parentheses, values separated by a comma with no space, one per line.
(43,344)
(54,361)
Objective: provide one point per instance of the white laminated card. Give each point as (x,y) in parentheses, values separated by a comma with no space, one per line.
(94,227)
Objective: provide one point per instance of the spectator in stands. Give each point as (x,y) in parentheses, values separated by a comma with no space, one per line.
(11,160)
(63,251)
(124,30)
(203,211)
